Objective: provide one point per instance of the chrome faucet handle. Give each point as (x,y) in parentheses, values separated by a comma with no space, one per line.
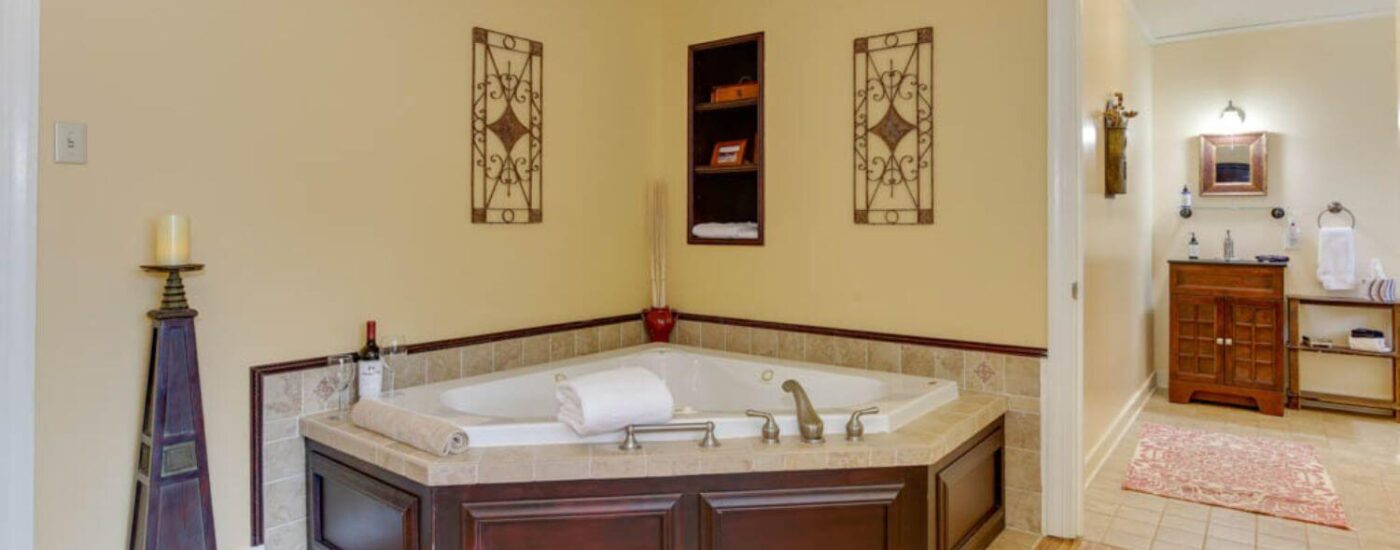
(855,431)
(770,425)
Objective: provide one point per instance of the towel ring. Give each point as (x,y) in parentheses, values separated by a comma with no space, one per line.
(1335,207)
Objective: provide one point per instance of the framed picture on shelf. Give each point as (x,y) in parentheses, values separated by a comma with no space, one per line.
(729,153)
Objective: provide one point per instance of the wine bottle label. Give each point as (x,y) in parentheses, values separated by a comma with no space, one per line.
(371,378)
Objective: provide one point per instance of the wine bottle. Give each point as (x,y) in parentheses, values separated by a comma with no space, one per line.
(1229,246)
(1193,248)
(371,365)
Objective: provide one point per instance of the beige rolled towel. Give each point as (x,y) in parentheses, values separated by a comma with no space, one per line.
(433,435)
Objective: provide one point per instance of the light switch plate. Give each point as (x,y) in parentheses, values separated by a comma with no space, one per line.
(70,142)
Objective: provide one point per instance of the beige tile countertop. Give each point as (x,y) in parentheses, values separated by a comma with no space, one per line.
(923,441)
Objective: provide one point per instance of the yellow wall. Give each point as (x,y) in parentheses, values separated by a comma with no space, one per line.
(321,149)
(1327,96)
(1117,231)
(978,274)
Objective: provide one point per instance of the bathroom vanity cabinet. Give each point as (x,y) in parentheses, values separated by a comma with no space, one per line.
(955,504)
(1227,329)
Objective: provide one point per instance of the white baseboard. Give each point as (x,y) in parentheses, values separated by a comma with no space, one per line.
(1096,457)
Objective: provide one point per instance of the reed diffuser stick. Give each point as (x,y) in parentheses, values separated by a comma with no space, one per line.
(657,217)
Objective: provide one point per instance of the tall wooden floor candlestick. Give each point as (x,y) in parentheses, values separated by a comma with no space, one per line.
(173,508)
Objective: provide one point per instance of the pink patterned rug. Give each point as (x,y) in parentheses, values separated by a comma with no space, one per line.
(1254,474)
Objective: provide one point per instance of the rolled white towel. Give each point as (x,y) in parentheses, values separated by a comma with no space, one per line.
(428,433)
(742,230)
(610,400)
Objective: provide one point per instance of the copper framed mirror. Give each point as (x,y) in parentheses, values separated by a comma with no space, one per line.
(1235,164)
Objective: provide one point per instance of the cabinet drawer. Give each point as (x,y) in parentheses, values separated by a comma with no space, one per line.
(1242,281)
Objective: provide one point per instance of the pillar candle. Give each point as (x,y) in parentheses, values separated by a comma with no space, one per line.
(173,240)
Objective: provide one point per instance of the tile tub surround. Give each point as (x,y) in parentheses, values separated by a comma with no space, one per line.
(1011,372)
(922,442)
(284,393)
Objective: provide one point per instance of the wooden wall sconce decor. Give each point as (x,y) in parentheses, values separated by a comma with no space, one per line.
(1235,165)
(1115,125)
(507,158)
(173,506)
(894,128)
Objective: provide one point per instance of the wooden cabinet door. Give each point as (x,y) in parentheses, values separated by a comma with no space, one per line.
(968,507)
(353,511)
(1254,350)
(1195,334)
(641,522)
(849,518)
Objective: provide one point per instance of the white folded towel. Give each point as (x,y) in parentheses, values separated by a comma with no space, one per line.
(1336,258)
(610,400)
(743,230)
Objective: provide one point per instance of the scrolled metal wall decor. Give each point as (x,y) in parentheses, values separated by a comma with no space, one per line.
(894,128)
(507,162)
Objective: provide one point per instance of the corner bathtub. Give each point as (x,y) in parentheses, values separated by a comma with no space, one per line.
(517,407)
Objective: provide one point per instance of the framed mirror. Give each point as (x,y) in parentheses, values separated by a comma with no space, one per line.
(1235,164)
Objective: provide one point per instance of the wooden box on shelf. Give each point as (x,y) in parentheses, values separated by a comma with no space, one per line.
(1227,333)
(731,192)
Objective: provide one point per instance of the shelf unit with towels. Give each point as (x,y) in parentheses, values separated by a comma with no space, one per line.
(1297,398)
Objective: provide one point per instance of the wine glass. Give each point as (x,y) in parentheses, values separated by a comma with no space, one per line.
(343,366)
(394,352)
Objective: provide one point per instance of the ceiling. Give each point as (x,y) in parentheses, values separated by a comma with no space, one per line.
(1178,19)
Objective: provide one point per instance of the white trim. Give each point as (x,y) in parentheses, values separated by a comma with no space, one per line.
(19,146)
(1062,404)
(1118,429)
(1197,35)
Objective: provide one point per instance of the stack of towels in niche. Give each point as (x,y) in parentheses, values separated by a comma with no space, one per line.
(742,230)
(611,400)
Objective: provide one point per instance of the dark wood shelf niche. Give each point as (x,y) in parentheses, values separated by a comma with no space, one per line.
(724,194)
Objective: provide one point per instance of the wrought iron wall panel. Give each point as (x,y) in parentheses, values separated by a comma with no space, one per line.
(507,164)
(894,128)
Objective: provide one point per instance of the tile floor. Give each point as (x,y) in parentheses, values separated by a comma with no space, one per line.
(1361,453)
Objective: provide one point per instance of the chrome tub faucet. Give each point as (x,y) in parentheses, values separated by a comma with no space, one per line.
(809,423)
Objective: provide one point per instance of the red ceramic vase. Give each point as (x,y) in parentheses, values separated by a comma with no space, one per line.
(659,322)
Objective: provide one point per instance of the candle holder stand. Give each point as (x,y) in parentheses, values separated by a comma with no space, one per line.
(172,503)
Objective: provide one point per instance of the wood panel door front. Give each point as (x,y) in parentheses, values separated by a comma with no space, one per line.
(1254,357)
(642,522)
(1195,335)
(849,518)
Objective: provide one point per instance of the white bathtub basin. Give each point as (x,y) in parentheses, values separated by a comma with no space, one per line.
(517,407)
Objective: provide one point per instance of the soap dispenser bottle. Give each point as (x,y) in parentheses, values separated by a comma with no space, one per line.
(1193,247)
(1185,197)
(1229,246)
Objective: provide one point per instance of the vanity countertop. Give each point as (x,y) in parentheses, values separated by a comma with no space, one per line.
(1220,261)
(921,442)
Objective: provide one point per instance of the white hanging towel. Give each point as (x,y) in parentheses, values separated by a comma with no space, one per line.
(610,400)
(1336,258)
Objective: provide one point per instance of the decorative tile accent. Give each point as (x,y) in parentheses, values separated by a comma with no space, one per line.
(984,372)
(318,390)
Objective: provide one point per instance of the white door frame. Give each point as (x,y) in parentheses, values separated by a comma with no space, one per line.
(19,156)
(1062,419)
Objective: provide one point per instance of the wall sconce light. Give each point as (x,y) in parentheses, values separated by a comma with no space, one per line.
(1232,115)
